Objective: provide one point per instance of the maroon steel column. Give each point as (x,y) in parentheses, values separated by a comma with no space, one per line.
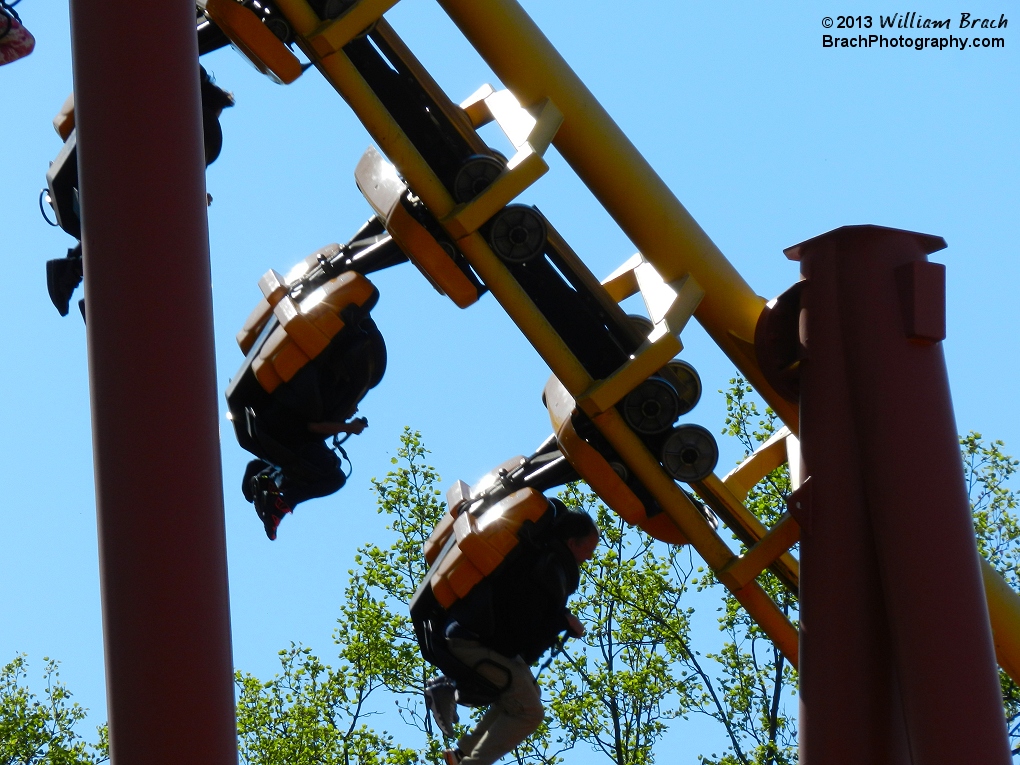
(849,704)
(887,485)
(151,365)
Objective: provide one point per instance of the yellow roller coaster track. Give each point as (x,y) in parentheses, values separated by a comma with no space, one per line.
(557,109)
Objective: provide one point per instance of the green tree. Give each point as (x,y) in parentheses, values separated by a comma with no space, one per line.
(616,690)
(313,713)
(387,577)
(750,691)
(744,685)
(42,731)
(619,660)
(993,502)
(619,687)
(410,498)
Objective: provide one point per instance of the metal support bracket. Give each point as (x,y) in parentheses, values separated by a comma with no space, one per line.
(530,131)
(622,283)
(745,525)
(769,548)
(670,306)
(606,393)
(253,39)
(800,505)
(766,458)
(334,34)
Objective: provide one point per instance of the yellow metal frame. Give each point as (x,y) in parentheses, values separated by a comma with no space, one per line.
(1004,615)
(334,34)
(605,394)
(530,136)
(620,178)
(680,272)
(766,458)
(254,40)
(384,191)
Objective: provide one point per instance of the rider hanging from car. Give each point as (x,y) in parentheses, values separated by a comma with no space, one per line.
(486,641)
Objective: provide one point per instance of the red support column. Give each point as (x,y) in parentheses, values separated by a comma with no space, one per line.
(850,711)
(895,628)
(162,546)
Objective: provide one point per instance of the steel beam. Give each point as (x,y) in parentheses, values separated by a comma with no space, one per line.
(893,611)
(620,178)
(148,303)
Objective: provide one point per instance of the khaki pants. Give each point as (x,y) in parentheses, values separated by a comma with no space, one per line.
(512,717)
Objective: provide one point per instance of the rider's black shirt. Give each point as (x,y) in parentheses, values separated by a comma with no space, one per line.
(521,607)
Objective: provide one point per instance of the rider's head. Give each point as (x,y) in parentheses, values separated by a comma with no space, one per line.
(578,532)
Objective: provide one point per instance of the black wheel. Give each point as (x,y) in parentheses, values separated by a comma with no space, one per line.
(474,176)
(688,385)
(279,27)
(690,453)
(642,324)
(518,233)
(651,407)
(620,469)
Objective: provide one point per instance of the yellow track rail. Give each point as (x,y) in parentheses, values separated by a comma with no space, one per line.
(664,232)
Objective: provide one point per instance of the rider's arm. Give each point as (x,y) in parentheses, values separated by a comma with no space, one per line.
(354,427)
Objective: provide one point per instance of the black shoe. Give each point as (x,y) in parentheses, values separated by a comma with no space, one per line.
(269,503)
(441,700)
(248,483)
(63,276)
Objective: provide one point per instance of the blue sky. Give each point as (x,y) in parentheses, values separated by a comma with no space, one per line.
(767,138)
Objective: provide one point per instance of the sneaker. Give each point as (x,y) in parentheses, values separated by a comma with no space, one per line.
(63,275)
(269,503)
(441,700)
(453,756)
(248,483)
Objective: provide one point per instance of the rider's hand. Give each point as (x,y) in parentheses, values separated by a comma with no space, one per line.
(574,626)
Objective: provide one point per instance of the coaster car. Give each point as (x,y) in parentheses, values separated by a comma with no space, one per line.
(312,352)
(63,275)
(473,541)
